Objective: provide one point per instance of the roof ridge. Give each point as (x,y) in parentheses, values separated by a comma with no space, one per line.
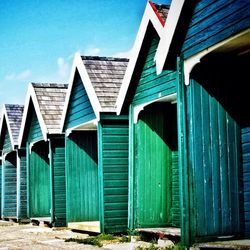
(105,58)
(49,85)
(13,105)
(161,5)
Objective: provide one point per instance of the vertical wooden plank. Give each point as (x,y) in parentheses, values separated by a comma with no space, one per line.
(182,149)
(100,175)
(215,164)
(82,177)
(131,191)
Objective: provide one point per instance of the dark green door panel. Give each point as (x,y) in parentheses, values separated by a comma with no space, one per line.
(39,181)
(156,192)
(10,186)
(82,177)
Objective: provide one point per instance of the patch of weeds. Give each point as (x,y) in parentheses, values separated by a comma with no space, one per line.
(125,238)
(105,237)
(133,232)
(92,240)
(178,246)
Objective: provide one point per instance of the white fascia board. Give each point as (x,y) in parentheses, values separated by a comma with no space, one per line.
(78,64)
(169,30)
(149,16)
(88,86)
(87,126)
(6,118)
(68,94)
(31,96)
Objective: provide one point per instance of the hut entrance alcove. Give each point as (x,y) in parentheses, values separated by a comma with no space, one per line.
(218,130)
(9,185)
(156,175)
(82,181)
(39,182)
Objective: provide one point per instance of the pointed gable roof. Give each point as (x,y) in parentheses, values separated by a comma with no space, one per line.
(48,100)
(101,78)
(12,115)
(156,15)
(168,34)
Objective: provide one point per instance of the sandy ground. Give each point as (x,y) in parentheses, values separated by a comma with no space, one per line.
(27,236)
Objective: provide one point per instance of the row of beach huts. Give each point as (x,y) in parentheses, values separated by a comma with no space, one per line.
(158,141)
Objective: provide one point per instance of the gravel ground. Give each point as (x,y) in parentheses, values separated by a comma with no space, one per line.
(26,237)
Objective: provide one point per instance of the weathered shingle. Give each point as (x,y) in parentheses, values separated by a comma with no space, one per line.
(51,98)
(106,75)
(14,113)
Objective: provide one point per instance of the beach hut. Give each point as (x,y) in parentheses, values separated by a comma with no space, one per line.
(96,146)
(40,135)
(13,169)
(150,100)
(209,43)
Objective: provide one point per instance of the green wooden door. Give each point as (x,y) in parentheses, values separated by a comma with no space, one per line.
(10,186)
(39,181)
(156,172)
(82,177)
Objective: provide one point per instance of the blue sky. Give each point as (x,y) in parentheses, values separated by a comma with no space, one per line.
(38,38)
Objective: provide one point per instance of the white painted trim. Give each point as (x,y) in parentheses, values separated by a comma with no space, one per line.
(169,30)
(195,59)
(137,109)
(4,114)
(83,127)
(79,65)
(148,16)
(31,96)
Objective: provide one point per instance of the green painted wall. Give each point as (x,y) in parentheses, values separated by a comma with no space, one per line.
(215,146)
(82,177)
(155,187)
(39,181)
(35,132)
(214,21)
(113,175)
(151,86)
(79,107)
(9,187)
(7,147)
(59,180)
(23,184)
(245,135)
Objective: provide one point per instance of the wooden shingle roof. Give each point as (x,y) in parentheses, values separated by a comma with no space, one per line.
(11,119)
(106,75)
(163,10)
(14,115)
(50,98)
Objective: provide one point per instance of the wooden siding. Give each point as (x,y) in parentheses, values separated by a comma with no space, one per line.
(152,86)
(79,107)
(113,163)
(214,160)
(35,132)
(9,186)
(82,190)
(156,189)
(246,177)
(7,147)
(59,181)
(23,185)
(39,181)
(213,21)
